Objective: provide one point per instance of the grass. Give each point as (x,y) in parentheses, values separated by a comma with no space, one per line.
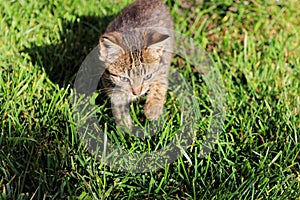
(255,46)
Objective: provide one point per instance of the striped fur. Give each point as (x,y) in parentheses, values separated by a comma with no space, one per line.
(137,51)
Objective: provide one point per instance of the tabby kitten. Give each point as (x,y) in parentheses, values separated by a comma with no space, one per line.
(136,49)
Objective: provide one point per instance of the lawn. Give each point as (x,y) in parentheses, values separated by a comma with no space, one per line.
(254,48)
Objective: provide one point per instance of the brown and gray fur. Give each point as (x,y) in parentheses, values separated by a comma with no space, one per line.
(137,50)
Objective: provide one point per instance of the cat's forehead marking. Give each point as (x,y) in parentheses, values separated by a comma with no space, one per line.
(135,59)
(136,64)
(139,71)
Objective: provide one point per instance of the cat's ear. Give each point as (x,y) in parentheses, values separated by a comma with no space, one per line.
(110,47)
(155,41)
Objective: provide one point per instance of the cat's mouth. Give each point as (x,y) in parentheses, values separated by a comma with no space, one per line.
(137,94)
(132,94)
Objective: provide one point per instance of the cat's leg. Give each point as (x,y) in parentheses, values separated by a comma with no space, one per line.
(120,110)
(155,100)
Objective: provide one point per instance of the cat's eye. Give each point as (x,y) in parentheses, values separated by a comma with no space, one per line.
(148,77)
(124,79)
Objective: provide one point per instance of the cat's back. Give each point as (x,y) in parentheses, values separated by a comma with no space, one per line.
(142,14)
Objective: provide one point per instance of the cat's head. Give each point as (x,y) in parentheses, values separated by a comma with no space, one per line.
(132,61)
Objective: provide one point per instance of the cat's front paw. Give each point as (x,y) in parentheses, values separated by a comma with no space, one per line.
(125,124)
(153,111)
(124,121)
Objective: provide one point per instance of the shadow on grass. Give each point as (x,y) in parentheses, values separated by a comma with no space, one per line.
(61,60)
(45,164)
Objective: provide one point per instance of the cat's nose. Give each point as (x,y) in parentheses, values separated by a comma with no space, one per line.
(136,91)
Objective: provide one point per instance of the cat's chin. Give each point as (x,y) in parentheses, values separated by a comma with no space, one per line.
(134,97)
(139,95)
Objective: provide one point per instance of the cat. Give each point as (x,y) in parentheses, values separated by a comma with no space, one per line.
(136,50)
